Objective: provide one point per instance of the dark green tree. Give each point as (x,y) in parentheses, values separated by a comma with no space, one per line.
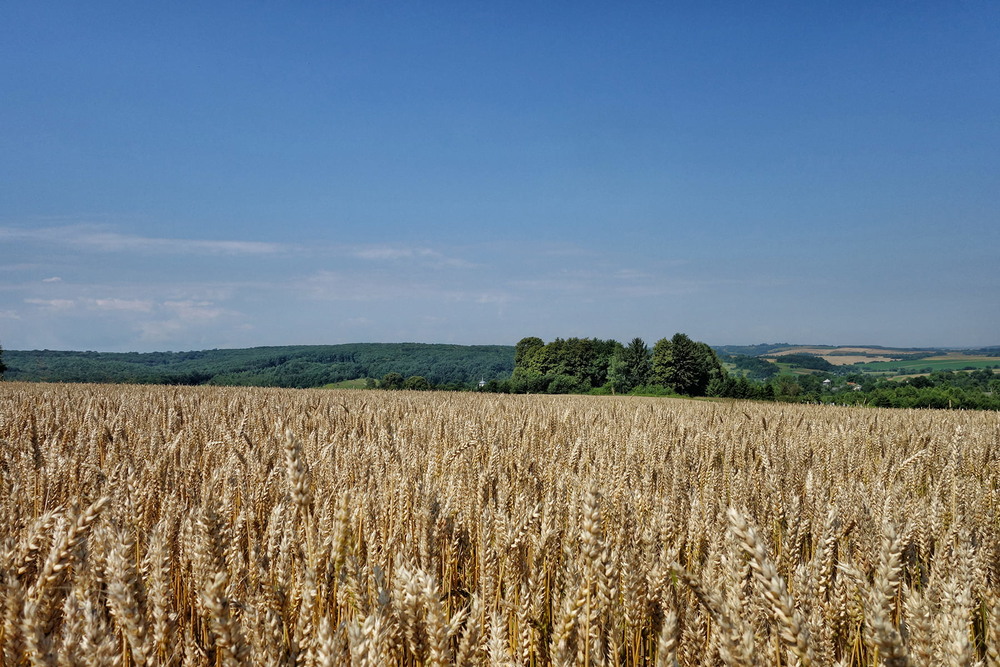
(636,357)
(686,374)
(528,382)
(416,383)
(786,387)
(600,361)
(685,366)
(577,358)
(566,384)
(525,348)
(391,381)
(3,367)
(661,363)
(711,367)
(735,387)
(629,367)
(618,377)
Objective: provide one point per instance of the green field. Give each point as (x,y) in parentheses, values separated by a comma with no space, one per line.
(950,362)
(791,369)
(360,383)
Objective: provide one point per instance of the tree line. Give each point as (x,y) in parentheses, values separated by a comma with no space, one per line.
(677,365)
(976,390)
(682,366)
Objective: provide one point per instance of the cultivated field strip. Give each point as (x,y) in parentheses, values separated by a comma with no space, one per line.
(224,526)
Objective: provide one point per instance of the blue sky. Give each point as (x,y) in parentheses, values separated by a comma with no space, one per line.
(197,175)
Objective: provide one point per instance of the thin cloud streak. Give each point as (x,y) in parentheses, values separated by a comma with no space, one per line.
(327,285)
(134,305)
(98,238)
(425,256)
(52,304)
(95,238)
(624,283)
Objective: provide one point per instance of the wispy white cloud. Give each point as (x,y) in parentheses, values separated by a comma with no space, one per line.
(133,305)
(103,239)
(19,266)
(178,319)
(326,285)
(566,251)
(52,304)
(174,313)
(107,304)
(425,256)
(385,253)
(493,297)
(194,311)
(631,274)
(53,279)
(329,285)
(160,331)
(617,283)
(99,239)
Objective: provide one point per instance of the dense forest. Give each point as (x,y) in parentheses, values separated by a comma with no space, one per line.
(452,366)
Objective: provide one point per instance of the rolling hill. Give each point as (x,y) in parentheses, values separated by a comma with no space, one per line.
(284,366)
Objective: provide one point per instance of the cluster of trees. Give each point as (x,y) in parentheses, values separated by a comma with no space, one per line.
(754,368)
(808,361)
(977,390)
(742,387)
(395,381)
(676,365)
(2,367)
(563,366)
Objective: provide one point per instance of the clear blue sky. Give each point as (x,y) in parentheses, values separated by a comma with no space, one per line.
(228,174)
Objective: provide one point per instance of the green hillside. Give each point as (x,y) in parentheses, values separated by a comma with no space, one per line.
(286,366)
(948,362)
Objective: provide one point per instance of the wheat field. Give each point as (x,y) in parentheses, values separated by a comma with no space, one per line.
(231,526)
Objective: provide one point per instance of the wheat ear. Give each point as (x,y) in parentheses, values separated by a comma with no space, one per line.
(880,630)
(791,626)
(993,632)
(666,643)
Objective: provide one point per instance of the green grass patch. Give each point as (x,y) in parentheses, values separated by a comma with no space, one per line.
(791,369)
(359,383)
(916,366)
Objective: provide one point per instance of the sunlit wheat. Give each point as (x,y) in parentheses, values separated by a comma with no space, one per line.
(225,526)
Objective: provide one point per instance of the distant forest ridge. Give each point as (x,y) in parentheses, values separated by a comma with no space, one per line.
(283,366)
(443,365)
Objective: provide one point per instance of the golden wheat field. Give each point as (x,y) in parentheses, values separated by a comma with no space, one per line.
(231,526)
